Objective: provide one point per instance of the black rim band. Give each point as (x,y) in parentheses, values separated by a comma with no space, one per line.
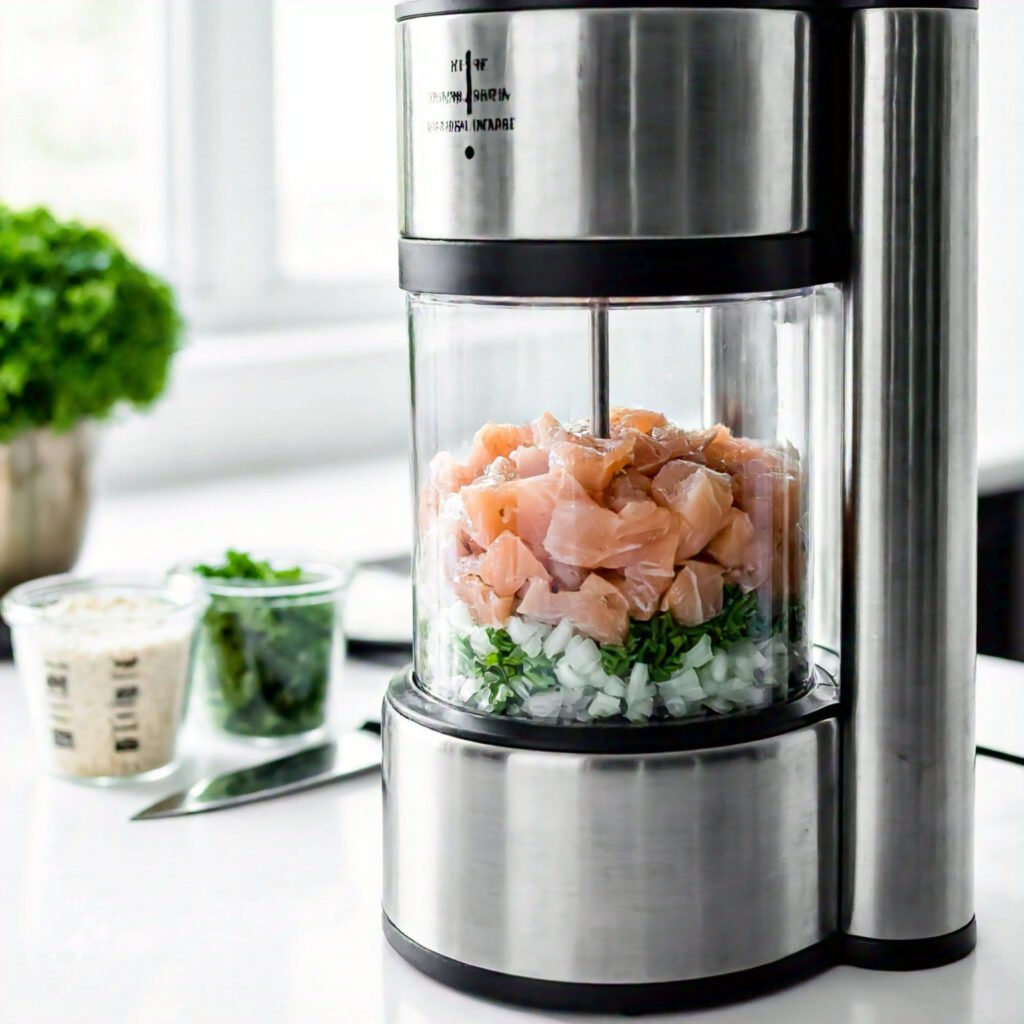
(910,954)
(640,268)
(412,702)
(425,8)
(613,998)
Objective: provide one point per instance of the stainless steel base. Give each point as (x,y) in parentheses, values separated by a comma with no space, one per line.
(610,869)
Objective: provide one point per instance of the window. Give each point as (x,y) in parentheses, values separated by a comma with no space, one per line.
(82,114)
(334,145)
(244,147)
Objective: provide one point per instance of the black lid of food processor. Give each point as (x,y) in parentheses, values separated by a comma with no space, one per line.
(625,268)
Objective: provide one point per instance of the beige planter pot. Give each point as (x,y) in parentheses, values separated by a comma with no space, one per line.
(44,502)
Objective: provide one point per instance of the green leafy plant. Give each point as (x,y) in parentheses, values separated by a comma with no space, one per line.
(83,328)
(267,658)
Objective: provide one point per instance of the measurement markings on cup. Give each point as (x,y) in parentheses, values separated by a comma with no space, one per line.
(125,722)
(59,704)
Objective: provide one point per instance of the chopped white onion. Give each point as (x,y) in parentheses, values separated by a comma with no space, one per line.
(604,706)
(533,645)
(543,705)
(480,642)
(614,687)
(676,707)
(700,654)
(558,639)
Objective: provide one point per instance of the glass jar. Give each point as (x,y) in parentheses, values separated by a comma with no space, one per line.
(105,661)
(661,572)
(270,652)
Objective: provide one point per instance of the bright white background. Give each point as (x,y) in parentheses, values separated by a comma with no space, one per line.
(246,149)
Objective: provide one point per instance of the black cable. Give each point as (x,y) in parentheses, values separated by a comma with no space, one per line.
(1000,755)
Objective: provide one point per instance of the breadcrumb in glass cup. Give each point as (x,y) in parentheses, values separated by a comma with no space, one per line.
(105,662)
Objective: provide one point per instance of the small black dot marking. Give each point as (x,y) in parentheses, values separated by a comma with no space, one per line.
(470,152)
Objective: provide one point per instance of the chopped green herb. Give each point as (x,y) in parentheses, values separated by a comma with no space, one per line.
(662,642)
(267,659)
(240,566)
(500,669)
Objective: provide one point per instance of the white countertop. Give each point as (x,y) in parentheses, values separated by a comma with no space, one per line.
(270,914)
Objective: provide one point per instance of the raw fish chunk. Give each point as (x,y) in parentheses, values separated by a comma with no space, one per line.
(448,475)
(566,577)
(630,485)
(655,558)
(700,498)
(663,444)
(545,430)
(727,453)
(530,461)
(643,594)
(508,564)
(585,534)
(496,439)
(739,548)
(536,499)
(524,506)
(502,468)
(696,593)
(490,507)
(597,609)
(592,461)
(643,420)
(486,607)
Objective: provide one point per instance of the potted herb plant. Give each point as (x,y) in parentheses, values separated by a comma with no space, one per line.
(83,330)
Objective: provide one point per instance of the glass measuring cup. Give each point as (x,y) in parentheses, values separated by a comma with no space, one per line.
(105,662)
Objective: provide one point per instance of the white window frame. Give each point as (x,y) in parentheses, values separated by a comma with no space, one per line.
(221,189)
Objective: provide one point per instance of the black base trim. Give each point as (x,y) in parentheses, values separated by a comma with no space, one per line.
(411,701)
(631,268)
(910,954)
(659,997)
(653,997)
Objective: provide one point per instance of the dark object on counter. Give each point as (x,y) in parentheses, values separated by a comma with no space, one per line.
(1001,574)
(5,641)
(356,753)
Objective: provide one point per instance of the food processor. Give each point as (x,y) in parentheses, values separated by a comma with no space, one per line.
(691,304)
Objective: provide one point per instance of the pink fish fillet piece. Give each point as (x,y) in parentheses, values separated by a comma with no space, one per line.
(486,607)
(530,461)
(585,534)
(642,420)
(593,462)
(700,498)
(629,485)
(738,548)
(597,609)
(696,593)
(663,444)
(508,564)
(496,439)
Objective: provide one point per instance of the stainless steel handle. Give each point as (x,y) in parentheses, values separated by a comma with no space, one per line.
(909,552)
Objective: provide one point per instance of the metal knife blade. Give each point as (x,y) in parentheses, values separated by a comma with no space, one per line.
(354,753)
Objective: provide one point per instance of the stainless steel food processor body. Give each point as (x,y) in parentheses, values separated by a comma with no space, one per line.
(566,151)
